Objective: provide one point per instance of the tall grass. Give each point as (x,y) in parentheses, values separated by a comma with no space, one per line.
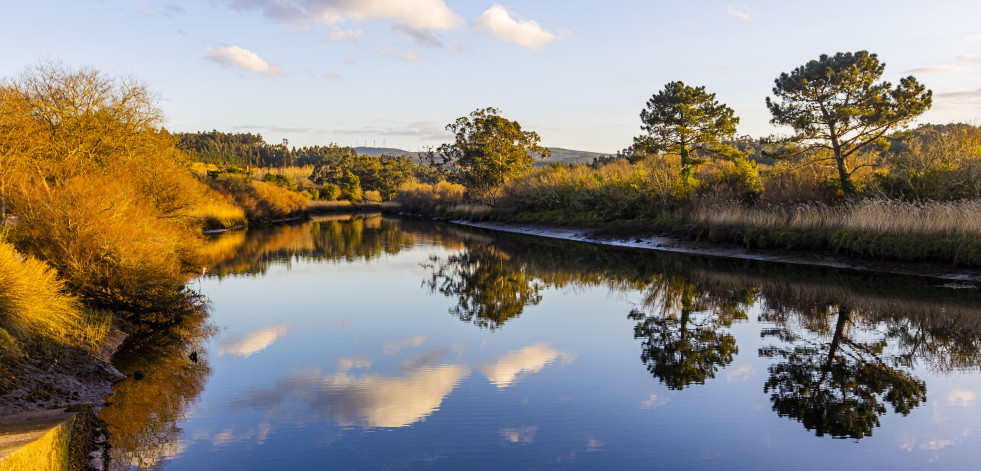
(34,303)
(934,218)
(423,197)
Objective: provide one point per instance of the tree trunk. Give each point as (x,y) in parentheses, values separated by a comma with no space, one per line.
(843,314)
(843,174)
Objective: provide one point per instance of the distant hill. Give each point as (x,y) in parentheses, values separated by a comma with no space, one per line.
(559,155)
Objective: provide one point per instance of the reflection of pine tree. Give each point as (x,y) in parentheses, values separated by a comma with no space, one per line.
(490,288)
(837,388)
(683,343)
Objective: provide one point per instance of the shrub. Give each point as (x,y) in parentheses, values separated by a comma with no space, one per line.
(330,192)
(280,180)
(35,303)
(426,197)
(372,197)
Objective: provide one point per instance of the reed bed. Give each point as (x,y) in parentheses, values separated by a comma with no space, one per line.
(933,218)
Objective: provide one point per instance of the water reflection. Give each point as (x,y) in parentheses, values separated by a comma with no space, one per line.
(841,351)
(490,289)
(145,414)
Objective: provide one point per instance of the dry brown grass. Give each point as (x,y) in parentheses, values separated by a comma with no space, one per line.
(941,219)
(423,196)
(35,303)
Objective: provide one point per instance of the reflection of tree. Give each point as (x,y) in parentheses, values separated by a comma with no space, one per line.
(490,288)
(837,388)
(682,344)
(337,238)
(143,417)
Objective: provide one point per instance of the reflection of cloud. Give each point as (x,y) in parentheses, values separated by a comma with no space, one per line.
(531,359)
(594,445)
(346,364)
(394,348)
(150,455)
(422,37)
(379,401)
(501,22)
(368,401)
(739,374)
(937,444)
(235,57)
(427,358)
(960,398)
(653,402)
(519,435)
(254,342)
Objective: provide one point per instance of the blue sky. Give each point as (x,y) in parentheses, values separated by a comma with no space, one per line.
(397,71)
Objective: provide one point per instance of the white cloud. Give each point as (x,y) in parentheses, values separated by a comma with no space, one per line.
(237,58)
(387,49)
(960,97)
(531,359)
(500,21)
(338,34)
(432,14)
(742,12)
(167,10)
(975,58)
(739,374)
(937,69)
(333,76)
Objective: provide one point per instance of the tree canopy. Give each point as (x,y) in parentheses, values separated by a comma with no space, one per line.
(687,121)
(488,150)
(838,103)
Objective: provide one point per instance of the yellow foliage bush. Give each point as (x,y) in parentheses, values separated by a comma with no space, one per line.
(35,303)
(424,197)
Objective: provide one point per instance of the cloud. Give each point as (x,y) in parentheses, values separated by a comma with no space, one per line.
(254,342)
(278,129)
(387,49)
(938,69)
(501,22)
(519,435)
(235,57)
(421,129)
(961,97)
(167,10)
(333,76)
(338,34)
(531,359)
(422,37)
(971,38)
(975,58)
(960,398)
(432,14)
(743,12)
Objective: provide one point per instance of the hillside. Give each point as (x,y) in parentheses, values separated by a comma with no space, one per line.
(559,155)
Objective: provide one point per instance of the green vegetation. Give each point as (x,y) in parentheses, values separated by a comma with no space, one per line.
(836,103)
(688,122)
(488,150)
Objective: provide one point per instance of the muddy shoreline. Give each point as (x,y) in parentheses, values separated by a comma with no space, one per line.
(950,276)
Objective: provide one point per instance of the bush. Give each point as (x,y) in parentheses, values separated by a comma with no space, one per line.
(330,192)
(372,197)
(280,180)
(261,201)
(35,304)
(425,197)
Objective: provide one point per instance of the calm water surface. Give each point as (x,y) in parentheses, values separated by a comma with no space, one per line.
(377,343)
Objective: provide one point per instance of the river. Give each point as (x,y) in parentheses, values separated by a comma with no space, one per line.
(363,342)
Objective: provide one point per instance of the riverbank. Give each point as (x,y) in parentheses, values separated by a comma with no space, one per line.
(636,237)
